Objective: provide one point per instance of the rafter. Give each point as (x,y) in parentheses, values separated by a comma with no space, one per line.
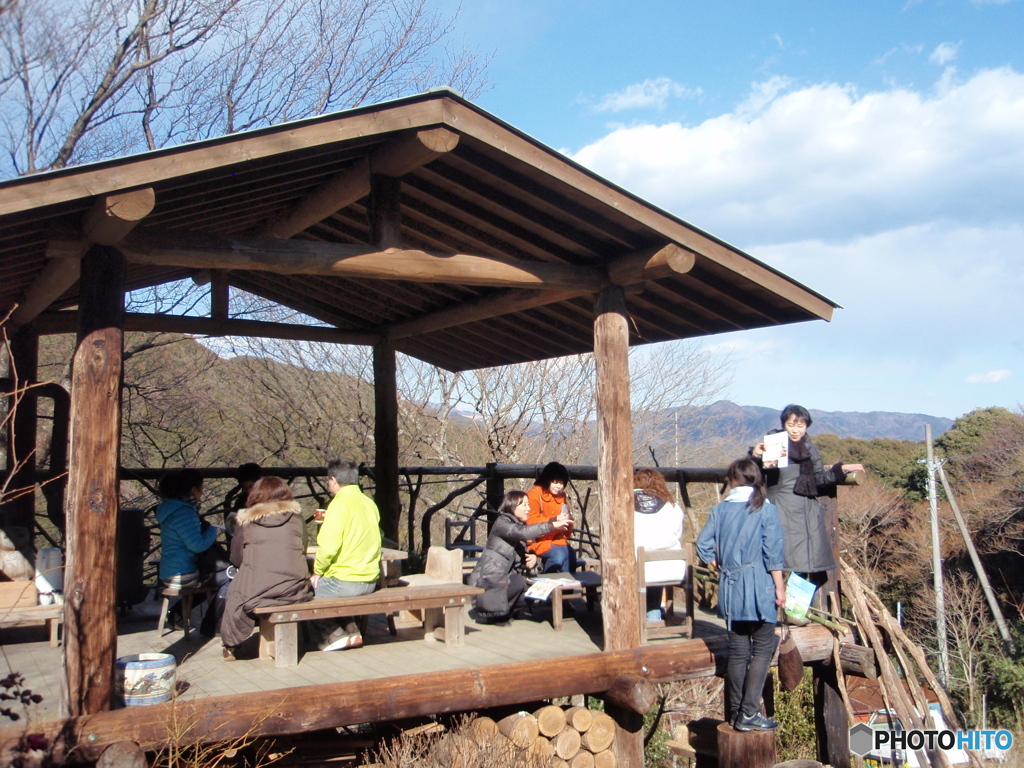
(109,220)
(393,158)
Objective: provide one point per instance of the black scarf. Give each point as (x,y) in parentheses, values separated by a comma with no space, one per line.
(807,483)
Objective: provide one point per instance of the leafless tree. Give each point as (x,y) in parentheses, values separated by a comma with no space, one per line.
(82,80)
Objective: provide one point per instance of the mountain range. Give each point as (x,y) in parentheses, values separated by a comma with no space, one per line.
(747,422)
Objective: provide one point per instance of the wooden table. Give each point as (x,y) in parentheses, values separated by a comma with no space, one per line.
(589,581)
(390,563)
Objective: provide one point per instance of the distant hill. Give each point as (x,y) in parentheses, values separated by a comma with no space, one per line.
(724,419)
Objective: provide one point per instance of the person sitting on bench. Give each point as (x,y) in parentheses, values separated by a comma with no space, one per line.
(498,572)
(348,555)
(269,551)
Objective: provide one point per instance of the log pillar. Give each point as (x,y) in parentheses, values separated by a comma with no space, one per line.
(830,718)
(620,601)
(386,232)
(21,431)
(90,627)
(385,437)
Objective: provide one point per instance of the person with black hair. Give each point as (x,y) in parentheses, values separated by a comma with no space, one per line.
(795,488)
(246,476)
(743,538)
(189,553)
(547,503)
(500,569)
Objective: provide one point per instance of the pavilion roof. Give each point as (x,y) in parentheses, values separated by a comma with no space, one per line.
(504,241)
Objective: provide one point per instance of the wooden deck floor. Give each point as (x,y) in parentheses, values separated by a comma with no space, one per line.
(202,671)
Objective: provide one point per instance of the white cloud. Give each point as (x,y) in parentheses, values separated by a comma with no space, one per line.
(825,161)
(651,93)
(944,53)
(992,377)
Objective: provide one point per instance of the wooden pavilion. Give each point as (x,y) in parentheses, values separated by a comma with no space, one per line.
(424,226)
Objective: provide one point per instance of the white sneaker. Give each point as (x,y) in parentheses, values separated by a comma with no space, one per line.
(353,640)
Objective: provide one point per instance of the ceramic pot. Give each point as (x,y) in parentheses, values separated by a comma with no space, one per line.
(146,678)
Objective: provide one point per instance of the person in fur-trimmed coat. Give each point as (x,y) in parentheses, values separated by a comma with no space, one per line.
(269,551)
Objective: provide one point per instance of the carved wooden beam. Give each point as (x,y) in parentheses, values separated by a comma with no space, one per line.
(107,222)
(651,264)
(67,321)
(307,257)
(394,158)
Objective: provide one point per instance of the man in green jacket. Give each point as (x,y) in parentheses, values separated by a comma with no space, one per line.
(348,555)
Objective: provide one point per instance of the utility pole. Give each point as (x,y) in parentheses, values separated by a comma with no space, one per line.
(940,602)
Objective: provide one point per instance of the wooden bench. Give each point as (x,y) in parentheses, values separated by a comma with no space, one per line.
(279,636)
(53,615)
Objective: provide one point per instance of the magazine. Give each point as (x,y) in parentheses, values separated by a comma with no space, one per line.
(799,594)
(542,588)
(776,448)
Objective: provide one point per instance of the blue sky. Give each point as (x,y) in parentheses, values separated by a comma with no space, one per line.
(873,151)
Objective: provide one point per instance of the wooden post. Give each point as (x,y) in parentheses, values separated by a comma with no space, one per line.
(620,602)
(90,628)
(749,749)
(385,436)
(385,214)
(21,430)
(830,718)
(495,487)
(386,232)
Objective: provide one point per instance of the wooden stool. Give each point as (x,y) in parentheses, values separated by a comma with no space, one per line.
(186,594)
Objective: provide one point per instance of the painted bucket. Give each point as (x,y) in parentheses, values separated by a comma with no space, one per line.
(146,678)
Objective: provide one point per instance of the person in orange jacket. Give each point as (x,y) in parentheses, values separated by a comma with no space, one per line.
(547,502)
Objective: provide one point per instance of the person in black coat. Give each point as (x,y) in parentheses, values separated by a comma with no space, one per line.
(499,571)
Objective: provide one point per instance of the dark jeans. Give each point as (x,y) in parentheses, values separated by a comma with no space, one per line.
(559,559)
(751,645)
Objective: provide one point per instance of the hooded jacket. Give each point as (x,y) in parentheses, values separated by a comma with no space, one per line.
(269,550)
(181,537)
(658,525)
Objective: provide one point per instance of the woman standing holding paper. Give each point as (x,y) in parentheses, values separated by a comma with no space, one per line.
(794,489)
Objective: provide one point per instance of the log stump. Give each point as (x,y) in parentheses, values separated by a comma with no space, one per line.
(579,718)
(605,759)
(583,759)
(550,720)
(600,734)
(521,729)
(567,743)
(745,749)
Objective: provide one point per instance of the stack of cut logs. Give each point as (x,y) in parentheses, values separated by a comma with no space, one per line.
(573,737)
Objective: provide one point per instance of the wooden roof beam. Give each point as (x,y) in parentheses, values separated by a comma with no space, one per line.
(292,257)
(651,264)
(393,158)
(67,321)
(109,220)
(647,264)
(499,303)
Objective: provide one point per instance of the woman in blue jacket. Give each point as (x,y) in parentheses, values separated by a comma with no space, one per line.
(183,537)
(743,537)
